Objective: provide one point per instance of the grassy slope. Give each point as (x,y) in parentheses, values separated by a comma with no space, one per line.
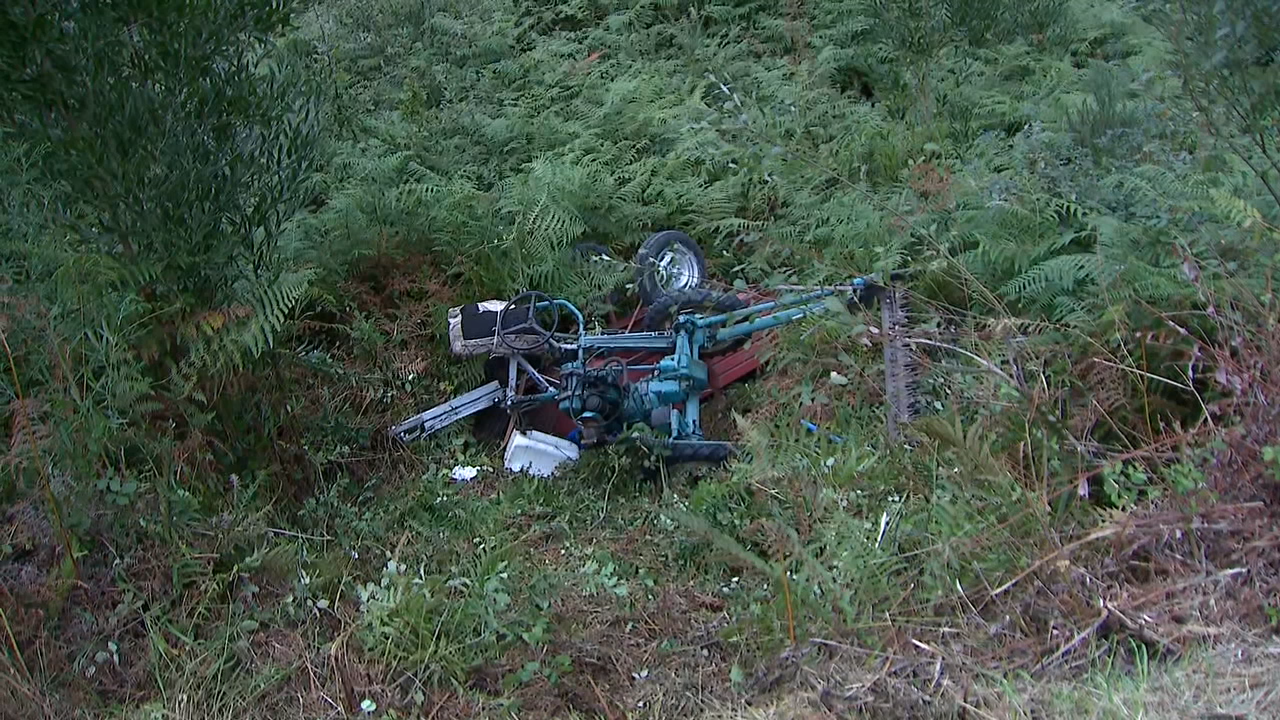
(602,593)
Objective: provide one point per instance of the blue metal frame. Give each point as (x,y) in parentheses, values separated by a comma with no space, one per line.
(668,400)
(681,376)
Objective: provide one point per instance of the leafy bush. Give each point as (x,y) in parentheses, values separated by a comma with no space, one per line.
(155,157)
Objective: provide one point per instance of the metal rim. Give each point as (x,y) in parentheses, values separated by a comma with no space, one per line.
(677,268)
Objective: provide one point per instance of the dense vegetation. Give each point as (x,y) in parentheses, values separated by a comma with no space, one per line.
(231,231)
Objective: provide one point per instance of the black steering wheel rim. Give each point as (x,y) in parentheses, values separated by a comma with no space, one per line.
(531,299)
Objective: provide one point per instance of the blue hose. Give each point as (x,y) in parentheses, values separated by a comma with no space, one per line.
(811,427)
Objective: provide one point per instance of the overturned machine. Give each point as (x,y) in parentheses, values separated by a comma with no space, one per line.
(591,388)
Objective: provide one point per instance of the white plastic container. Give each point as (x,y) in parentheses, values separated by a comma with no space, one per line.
(538,453)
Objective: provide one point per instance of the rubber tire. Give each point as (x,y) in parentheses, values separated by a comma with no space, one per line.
(713,453)
(666,309)
(647,285)
(865,298)
(872,292)
(495,368)
(490,424)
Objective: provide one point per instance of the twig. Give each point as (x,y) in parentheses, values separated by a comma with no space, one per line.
(290,533)
(511,426)
(1138,629)
(926,647)
(325,696)
(604,510)
(439,705)
(1096,535)
(1149,376)
(603,703)
(791,617)
(839,645)
(634,315)
(1079,638)
(338,663)
(13,643)
(973,709)
(976,358)
(1186,584)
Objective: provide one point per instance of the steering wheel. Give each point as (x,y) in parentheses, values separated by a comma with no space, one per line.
(518,335)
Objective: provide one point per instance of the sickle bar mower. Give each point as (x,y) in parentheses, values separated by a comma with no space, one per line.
(592,386)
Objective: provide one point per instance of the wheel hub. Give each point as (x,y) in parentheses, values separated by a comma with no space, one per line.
(678,269)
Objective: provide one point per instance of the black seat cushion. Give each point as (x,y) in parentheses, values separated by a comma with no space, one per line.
(480,320)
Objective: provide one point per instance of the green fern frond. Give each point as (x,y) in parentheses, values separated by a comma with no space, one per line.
(1043,283)
(1072,312)
(1233,209)
(231,338)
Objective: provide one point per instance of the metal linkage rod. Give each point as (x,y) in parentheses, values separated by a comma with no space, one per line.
(446,414)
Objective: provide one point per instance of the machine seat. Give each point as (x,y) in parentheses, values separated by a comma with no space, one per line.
(473,330)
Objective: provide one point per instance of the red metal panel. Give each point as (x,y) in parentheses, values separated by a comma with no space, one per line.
(728,369)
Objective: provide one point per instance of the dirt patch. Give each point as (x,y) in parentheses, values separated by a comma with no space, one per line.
(391,284)
(624,658)
(717,412)
(82,635)
(33,550)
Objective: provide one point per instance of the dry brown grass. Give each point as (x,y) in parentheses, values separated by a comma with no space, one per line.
(1240,679)
(1164,610)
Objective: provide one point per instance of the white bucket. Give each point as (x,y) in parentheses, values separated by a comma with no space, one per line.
(538,453)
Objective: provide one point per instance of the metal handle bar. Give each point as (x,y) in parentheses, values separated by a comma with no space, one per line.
(792,308)
(577,315)
(735,315)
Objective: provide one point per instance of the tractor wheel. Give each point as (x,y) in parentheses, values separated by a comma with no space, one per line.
(710,452)
(664,311)
(668,261)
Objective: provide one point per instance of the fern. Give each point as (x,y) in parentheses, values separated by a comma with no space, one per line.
(228,339)
(1046,281)
(1233,210)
